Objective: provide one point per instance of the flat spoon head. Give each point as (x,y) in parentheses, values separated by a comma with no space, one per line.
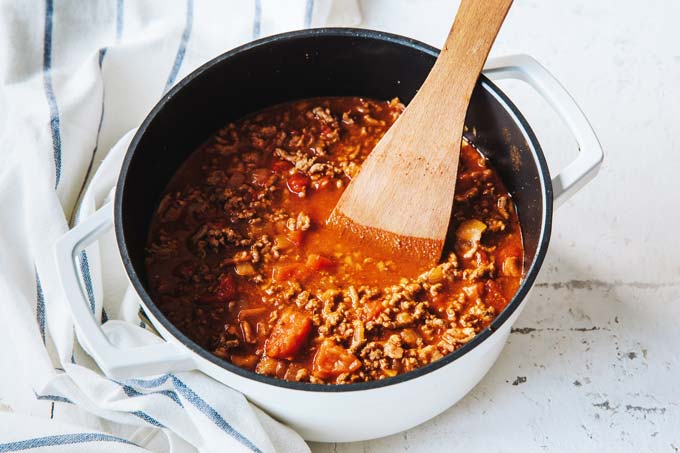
(401,200)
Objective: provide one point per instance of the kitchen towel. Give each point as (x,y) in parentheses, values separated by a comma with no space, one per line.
(76,78)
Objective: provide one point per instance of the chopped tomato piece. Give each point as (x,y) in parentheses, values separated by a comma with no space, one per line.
(331,360)
(286,271)
(494,295)
(313,264)
(227,286)
(317,262)
(298,183)
(225,291)
(295,236)
(281,166)
(289,334)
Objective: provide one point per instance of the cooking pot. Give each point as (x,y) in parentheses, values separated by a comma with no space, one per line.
(303,64)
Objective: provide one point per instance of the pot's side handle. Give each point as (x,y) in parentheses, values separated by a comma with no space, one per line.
(115,362)
(584,168)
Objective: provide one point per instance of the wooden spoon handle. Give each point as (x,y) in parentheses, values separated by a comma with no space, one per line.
(445,95)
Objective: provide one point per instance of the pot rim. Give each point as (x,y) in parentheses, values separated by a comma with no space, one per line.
(514,304)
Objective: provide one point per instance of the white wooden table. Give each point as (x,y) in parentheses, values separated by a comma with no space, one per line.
(594,361)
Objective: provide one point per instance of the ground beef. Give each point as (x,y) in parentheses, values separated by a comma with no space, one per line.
(240,259)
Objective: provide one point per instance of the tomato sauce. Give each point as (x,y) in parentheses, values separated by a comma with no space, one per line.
(241,260)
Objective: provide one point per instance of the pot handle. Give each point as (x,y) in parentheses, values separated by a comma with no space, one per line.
(115,362)
(584,168)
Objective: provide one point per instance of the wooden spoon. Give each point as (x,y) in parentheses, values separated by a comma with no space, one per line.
(401,200)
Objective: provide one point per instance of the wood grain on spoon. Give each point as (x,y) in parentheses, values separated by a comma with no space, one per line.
(401,199)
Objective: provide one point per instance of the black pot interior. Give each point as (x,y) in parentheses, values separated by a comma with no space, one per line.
(330,62)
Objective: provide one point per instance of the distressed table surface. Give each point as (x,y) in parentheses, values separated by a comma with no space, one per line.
(593,363)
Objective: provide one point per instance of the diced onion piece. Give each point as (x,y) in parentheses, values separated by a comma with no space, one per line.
(282,242)
(245,269)
(511,267)
(248,333)
(404,318)
(436,275)
(250,313)
(245,361)
(471,231)
(267,366)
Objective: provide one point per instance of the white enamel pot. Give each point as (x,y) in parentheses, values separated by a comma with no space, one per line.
(325,62)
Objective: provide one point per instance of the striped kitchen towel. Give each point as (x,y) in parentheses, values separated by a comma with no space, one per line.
(76,78)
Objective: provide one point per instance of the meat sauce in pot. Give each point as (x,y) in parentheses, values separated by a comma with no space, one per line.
(239,257)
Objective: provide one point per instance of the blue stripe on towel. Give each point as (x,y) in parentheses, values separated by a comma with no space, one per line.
(309,11)
(62,439)
(132,392)
(147,418)
(119,19)
(87,279)
(197,402)
(211,413)
(149,383)
(49,91)
(57,398)
(257,19)
(181,50)
(40,306)
(141,414)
